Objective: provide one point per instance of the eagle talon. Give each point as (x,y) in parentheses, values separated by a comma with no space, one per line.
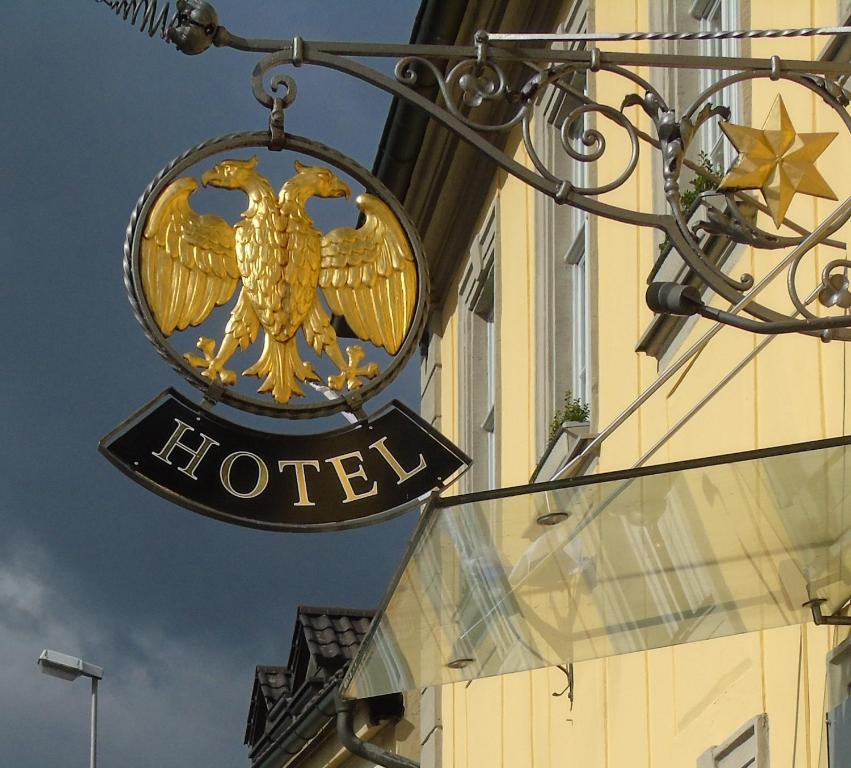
(212,368)
(337,382)
(226,376)
(352,375)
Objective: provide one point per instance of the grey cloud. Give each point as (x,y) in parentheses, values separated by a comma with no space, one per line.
(170,700)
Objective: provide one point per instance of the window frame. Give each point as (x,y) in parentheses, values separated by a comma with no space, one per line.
(478,333)
(564,254)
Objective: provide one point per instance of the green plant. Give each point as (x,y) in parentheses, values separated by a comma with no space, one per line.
(573,410)
(700,183)
(697,186)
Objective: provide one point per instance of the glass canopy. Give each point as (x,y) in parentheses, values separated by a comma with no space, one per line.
(542,575)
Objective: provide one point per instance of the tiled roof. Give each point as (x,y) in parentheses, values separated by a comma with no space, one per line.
(271,684)
(333,635)
(324,641)
(274,683)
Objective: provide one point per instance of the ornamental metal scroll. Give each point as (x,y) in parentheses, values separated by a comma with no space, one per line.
(513,71)
(472,82)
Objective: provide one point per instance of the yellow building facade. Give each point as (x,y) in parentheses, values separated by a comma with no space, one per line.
(541,300)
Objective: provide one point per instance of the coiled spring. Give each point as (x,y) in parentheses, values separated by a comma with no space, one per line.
(143,13)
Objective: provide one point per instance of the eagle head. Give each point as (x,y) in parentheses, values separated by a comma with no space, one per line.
(313,180)
(230,174)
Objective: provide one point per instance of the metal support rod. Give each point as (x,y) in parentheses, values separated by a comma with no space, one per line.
(369,752)
(739,367)
(735,371)
(94,732)
(311,48)
(827,227)
(791,325)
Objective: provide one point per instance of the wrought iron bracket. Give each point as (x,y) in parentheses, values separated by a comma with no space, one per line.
(511,71)
(819,619)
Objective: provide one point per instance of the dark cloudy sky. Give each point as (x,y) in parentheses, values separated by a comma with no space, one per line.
(176,607)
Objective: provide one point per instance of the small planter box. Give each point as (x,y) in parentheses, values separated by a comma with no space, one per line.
(571,437)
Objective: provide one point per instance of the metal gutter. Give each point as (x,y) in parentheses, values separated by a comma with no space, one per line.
(279,719)
(303,729)
(369,752)
(317,716)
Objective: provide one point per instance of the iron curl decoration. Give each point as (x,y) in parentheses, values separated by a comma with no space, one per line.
(470,82)
(590,137)
(283,89)
(835,290)
(283,93)
(736,218)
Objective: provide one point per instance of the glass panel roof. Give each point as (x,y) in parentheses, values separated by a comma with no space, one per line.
(542,575)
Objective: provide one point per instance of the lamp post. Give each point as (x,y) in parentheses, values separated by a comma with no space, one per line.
(70,668)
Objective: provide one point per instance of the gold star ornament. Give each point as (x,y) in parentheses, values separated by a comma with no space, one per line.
(777,160)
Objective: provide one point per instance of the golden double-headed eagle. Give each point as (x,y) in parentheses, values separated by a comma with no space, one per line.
(192,263)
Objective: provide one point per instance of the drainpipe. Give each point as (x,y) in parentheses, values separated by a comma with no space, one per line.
(369,752)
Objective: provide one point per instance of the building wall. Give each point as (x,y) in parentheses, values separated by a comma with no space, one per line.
(665,707)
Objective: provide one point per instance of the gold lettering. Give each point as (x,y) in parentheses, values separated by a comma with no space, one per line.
(301,479)
(197,454)
(402,473)
(347,477)
(262,475)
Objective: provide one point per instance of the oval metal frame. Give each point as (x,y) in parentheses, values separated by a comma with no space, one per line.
(215,392)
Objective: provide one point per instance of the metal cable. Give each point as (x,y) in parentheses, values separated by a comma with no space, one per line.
(827,227)
(738,368)
(613,37)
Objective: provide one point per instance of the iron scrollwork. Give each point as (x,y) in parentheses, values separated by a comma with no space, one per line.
(470,82)
(498,71)
(735,215)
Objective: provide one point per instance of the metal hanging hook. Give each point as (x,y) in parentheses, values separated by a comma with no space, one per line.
(279,104)
(281,94)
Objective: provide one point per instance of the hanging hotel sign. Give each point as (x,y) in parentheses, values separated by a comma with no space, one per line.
(330,480)
(277,288)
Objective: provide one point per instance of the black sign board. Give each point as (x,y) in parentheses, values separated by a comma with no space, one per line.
(341,479)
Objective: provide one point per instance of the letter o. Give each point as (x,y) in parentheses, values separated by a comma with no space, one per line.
(262,475)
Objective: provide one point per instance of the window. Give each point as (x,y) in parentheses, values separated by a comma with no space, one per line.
(488,425)
(478,351)
(562,240)
(714,16)
(579,291)
(747,748)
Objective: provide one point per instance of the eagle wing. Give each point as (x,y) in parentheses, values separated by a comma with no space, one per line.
(188,261)
(369,276)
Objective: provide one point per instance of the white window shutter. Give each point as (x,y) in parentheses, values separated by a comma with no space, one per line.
(746,748)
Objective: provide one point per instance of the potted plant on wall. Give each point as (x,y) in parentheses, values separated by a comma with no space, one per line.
(570,424)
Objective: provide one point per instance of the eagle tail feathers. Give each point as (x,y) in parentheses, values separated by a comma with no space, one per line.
(283,368)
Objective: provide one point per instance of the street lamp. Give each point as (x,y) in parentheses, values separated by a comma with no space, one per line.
(70,668)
